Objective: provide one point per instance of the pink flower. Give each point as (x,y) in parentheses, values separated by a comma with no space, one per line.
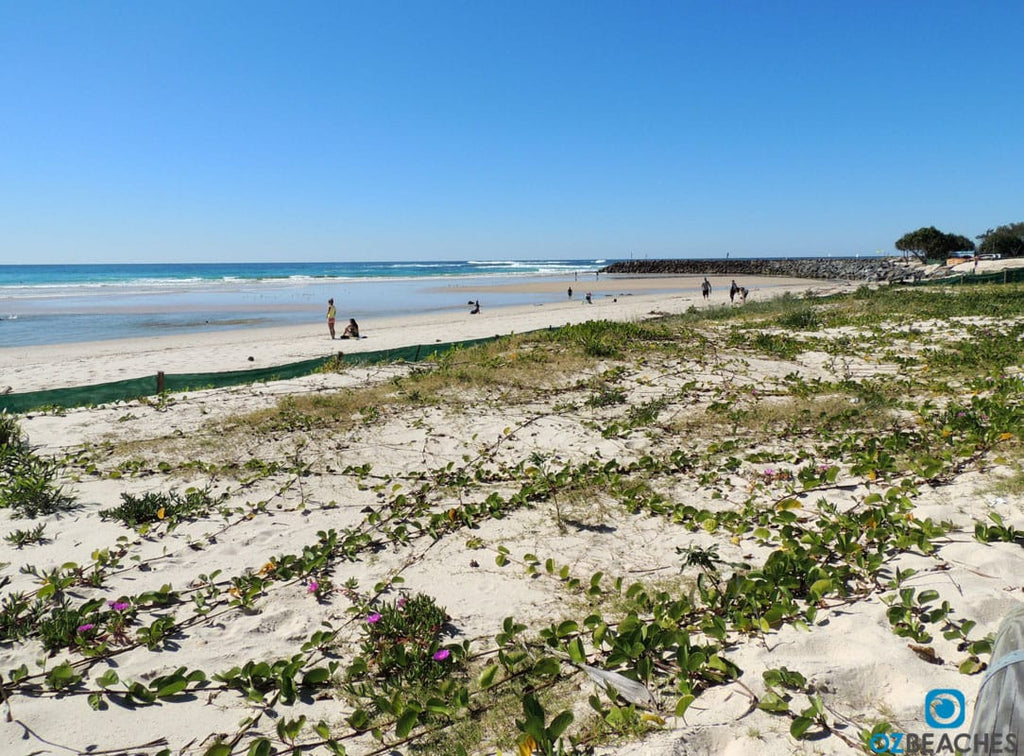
(401,602)
(372,618)
(443,654)
(86,628)
(118,606)
(313,586)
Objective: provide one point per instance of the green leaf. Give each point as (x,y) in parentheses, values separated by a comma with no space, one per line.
(260,747)
(683,704)
(558,724)
(820,587)
(547,667)
(175,686)
(218,749)
(566,628)
(532,708)
(359,719)
(486,678)
(800,726)
(971,666)
(316,676)
(405,723)
(774,703)
(576,652)
(437,706)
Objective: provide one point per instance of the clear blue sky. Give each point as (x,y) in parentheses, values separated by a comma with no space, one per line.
(185,131)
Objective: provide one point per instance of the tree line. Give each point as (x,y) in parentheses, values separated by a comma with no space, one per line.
(931,245)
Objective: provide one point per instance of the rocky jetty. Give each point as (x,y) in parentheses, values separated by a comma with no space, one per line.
(847,269)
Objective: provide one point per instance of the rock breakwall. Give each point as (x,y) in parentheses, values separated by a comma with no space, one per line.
(846,269)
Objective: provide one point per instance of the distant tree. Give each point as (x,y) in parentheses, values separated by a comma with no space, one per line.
(1007,241)
(931,244)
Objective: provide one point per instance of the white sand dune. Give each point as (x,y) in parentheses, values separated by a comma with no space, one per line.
(861,669)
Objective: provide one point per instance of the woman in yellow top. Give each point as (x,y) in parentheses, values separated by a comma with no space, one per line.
(331,312)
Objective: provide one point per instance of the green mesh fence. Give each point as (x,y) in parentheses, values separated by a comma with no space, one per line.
(1011,275)
(133,388)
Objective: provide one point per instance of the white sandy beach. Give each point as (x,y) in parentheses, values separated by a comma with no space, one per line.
(857,664)
(57,366)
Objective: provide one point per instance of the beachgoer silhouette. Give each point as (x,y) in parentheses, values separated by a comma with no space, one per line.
(331,313)
(351,330)
(588,298)
(733,291)
(705,288)
(476,308)
(570,292)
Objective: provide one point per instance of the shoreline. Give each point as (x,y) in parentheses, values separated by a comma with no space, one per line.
(39,367)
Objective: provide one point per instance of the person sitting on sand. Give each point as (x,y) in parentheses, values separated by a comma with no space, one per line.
(476,308)
(351,330)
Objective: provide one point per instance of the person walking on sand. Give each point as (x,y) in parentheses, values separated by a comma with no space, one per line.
(733,291)
(331,314)
(705,288)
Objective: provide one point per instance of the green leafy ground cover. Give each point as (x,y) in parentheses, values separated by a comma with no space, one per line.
(656,511)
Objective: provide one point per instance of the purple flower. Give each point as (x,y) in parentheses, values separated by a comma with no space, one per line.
(118,606)
(313,586)
(443,654)
(401,602)
(372,618)
(86,628)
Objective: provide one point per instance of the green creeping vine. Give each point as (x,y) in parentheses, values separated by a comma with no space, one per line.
(649,650)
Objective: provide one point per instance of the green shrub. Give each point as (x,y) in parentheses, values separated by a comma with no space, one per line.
(29,486)
(402,641)
(153,507)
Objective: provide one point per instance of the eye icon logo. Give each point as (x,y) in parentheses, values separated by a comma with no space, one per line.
(944,708)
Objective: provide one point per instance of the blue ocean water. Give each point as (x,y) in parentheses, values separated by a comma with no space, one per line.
(52,304)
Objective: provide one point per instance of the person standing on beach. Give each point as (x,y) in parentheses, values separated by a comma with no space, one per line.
(570,292)
(705,288)
(588,298)
(331,314)
(733,291)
